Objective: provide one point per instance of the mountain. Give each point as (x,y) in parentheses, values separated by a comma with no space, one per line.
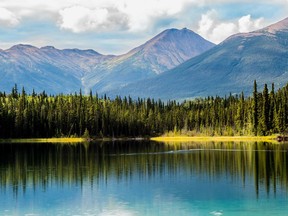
(230,67)
(163,52)
(47,68)
(68,70)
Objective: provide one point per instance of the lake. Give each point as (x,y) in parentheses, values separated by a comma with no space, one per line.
(144,178)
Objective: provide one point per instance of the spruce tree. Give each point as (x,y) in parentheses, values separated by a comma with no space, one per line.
(255,109)
(264,120)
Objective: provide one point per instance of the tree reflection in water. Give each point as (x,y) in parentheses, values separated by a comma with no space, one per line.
(42,165)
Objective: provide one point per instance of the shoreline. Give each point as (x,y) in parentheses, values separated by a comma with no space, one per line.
(215,139)
(43,140)
(67,140)
(157,139)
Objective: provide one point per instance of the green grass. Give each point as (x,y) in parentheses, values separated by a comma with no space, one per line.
(66,140)
(215,139)
(158,139)
(44,140)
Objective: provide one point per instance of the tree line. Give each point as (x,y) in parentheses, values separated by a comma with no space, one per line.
(35,115)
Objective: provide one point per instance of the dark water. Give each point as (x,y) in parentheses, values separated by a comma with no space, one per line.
(144,178)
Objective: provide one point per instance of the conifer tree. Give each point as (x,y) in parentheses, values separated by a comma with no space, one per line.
(255,109)
(264,120)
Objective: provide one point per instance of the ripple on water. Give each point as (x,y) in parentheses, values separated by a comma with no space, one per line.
(216,213)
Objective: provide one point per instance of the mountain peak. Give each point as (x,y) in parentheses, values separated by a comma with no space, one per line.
(175,31)
(91,70)
(177,37)
(48,48)
(23,47)
(229,67)
(87,51)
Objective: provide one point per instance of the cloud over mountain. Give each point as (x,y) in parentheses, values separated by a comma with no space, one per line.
(215,30)
(136,15)
(109,25)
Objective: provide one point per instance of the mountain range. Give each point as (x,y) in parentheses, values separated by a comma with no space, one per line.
(47,68)
(163,52)
(69,70)
(175,64)
(230,67)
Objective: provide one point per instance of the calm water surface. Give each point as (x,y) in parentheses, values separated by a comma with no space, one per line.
(144,178)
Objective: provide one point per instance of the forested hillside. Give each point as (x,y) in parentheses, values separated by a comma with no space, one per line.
(40,115)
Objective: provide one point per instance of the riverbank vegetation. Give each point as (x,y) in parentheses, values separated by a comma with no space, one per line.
(36,115)
(181,139)
(44,140)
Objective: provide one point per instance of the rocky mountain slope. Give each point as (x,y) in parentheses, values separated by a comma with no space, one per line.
(68,70)
(163,52)
(231,66)
(47,68)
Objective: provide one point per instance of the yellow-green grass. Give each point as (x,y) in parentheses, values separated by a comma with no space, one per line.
(215,139)
(45,140)
(64,140)
(159,139)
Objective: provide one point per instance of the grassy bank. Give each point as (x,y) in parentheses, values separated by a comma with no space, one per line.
(44,140)
(158,139)
(215,139)
(67,140)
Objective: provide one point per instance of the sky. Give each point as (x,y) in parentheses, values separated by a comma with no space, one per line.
(117,26)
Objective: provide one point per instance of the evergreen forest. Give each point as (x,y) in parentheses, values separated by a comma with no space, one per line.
(38,115)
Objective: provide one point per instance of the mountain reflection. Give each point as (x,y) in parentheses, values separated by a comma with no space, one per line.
(41,165)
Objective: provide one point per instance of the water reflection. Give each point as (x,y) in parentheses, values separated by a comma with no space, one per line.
(43,165)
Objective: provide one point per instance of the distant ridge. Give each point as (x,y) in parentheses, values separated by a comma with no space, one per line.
(69,70)
(163,52)
(47,68)
(231,66)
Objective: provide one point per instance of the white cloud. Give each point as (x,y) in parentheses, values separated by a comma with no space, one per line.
(7,18)
(246,24)
(143,13)
(81,19)
(131,20)
(216,30)
(206,24)
(134,15)
(137,15)
(222,31)
(130,15)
